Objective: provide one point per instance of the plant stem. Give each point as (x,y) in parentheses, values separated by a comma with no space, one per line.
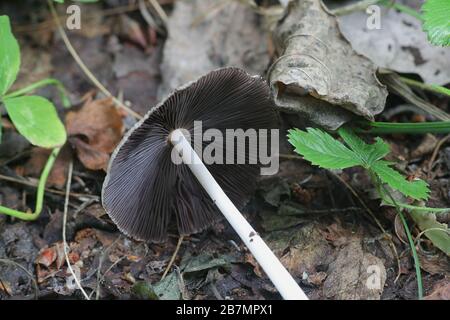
(382,191)
(357,6)
(414,254)
(401,7)
(429,87)
(45,82)
(406,128)
(40,192)
(422,209)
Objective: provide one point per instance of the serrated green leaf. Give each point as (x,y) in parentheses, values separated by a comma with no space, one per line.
(417,189)
(36,119)
(368,153)
(322,149)
(9,56)
(436,21)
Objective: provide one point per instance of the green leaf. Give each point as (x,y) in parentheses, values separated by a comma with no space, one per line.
(204,261)
(166,289)
(368,153)
(169,287)
(59,1)
(144,290)
(9,56)
(322,149)
(437,232)
(436,21)
(417,189)
(36,119)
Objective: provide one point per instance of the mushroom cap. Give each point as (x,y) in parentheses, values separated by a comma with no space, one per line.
(143,188)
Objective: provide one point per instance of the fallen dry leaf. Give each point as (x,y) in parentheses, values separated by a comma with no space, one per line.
(318,74)
(317,278)
(47,256)
(94,131)
(399,44)
(256,267)
(355,274)
(130,29)
(58,174)
(441,291)
(5,287)
(301,249)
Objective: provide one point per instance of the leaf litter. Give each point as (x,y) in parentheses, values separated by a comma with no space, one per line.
(311,222)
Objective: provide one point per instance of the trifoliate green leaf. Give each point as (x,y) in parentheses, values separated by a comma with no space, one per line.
(436,21)
(417,189)
(322,149)
(9,56)
(368,153)
(36,119)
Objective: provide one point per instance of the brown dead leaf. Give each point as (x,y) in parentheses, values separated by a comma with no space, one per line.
(355,274)
(256,267)
(434,262)
(105,238)
(336,234)
(94,131)
(84,234)
(441,291)
(46,257)
(5,287)
(58,174)
(60,258)
(317,278)
(129,29)
(427,146)
(301,249)
(73,257)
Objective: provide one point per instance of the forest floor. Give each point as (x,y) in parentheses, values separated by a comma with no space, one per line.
(327,227)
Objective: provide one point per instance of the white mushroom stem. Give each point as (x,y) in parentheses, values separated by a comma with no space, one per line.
(279,276)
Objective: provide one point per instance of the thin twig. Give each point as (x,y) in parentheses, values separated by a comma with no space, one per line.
(382,190)
(180,240)
(429,229)
(3,286)
(424,86)
(35,185)
(83,67)
(160,11)
(145,13)
(435,152)
(100,264)
(66,208)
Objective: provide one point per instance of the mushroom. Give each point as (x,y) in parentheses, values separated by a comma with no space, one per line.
(145,187)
